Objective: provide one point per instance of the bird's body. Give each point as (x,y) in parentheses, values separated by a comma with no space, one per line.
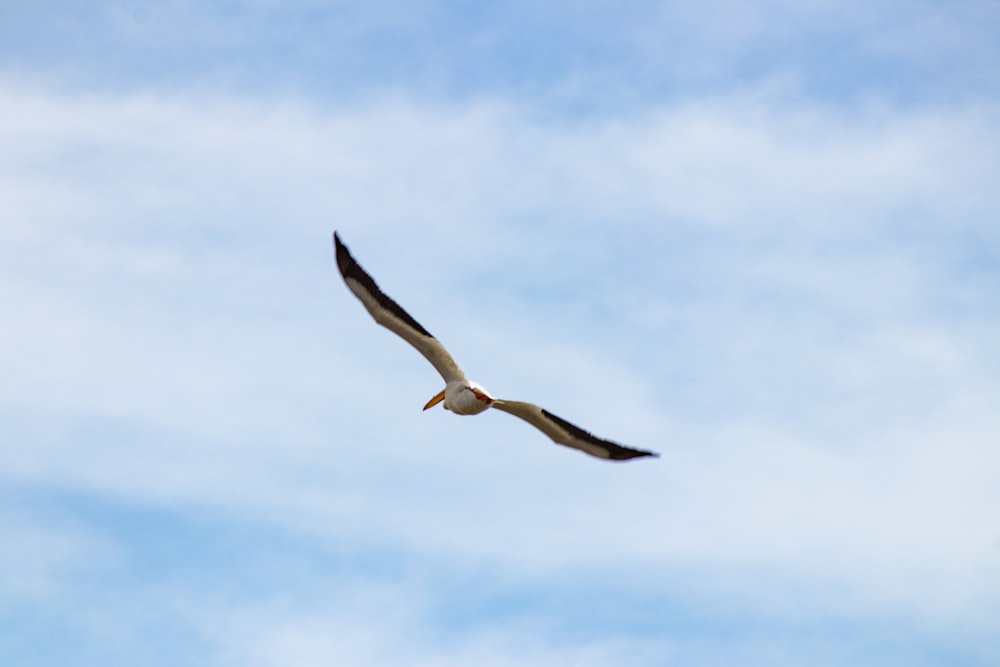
(460,395)
(465,398)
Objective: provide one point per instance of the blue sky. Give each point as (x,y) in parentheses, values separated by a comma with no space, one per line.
(759,238)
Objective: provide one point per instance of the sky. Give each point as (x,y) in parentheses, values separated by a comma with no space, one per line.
(759,238)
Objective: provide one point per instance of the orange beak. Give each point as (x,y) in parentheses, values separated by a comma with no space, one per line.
(438,397)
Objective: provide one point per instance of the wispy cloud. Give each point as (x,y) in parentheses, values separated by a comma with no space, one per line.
(581,57)
(791,299)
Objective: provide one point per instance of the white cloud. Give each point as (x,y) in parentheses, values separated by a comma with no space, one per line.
(822,401)
(389,627)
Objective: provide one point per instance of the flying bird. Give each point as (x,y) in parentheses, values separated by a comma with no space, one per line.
(460,395)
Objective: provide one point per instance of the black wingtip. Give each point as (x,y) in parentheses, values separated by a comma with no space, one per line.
(351,270)
(344,259)
(635,454)
(615,451)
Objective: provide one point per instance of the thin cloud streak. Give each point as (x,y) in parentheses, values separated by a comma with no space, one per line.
(782,314)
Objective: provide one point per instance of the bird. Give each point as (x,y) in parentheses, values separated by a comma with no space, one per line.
(460,395)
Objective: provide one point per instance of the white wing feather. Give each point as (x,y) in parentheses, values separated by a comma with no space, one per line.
(565,433)
(391,315)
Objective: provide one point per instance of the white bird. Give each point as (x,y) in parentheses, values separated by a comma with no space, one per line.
(460,395)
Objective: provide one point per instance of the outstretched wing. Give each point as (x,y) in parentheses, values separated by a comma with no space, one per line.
(391,315)
(564,433)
